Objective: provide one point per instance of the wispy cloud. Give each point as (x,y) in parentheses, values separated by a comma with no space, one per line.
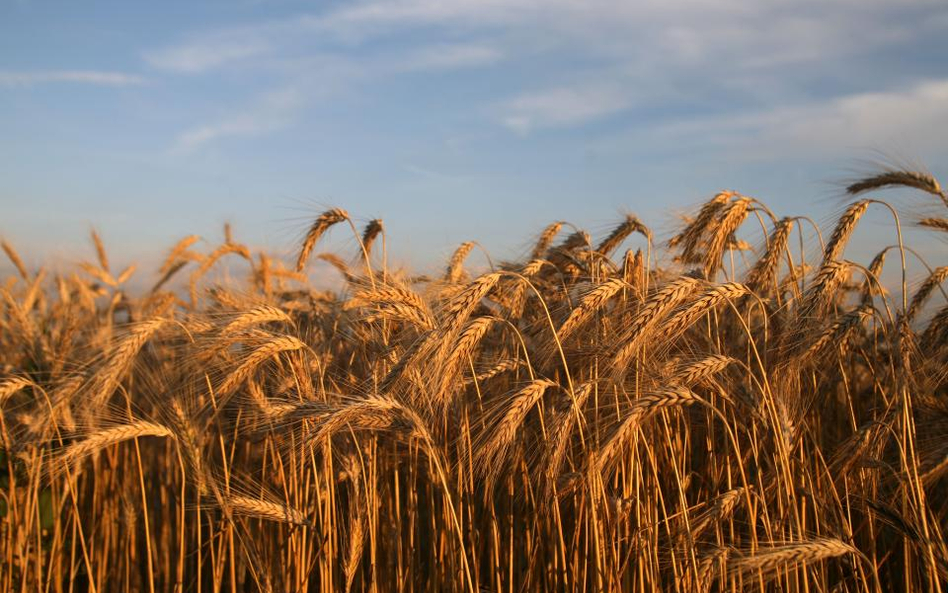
(203,54)
(673,61)
(446,56)
(564,106)
(271,112)
(317,77)
(92,77)
(911,119)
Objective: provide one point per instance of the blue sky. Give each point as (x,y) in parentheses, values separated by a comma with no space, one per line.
(452,120)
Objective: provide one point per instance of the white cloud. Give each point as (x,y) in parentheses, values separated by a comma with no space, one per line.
(689,55)
(93,77)
(319,77)
(272,112)
(913,119)
(202,55)
(564,106)
(447,57)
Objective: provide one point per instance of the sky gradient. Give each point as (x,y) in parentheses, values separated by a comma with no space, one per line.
(452,120)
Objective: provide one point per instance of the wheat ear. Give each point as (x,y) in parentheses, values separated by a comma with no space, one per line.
(371,233)
(728,223)
(589,304)
(10,386)
(179,248)
(924,291)
(461,306)
(100,250)
(630,225)
(709,299)
(121,358)
(456,264)
(273,346)
(938,224)
(701,369)
(654,309)
(545,240)
(690,237)
(392,302)
(256,316)
(915,179)
(14,258)
(318,228)
(768,560)
(843,230)
(496,448)
(264,509)
(641,408)
(110,436)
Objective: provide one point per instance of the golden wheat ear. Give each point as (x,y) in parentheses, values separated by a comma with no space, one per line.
(630,225)
(545,240)
(102,438)
(937,224)
(373,229)
(925,182)
(844,230)
(317,230)
(14,258)
(766,561)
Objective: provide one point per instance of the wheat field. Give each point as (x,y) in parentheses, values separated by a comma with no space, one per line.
(607,414)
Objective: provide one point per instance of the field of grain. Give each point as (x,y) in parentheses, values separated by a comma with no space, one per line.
(740,417)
